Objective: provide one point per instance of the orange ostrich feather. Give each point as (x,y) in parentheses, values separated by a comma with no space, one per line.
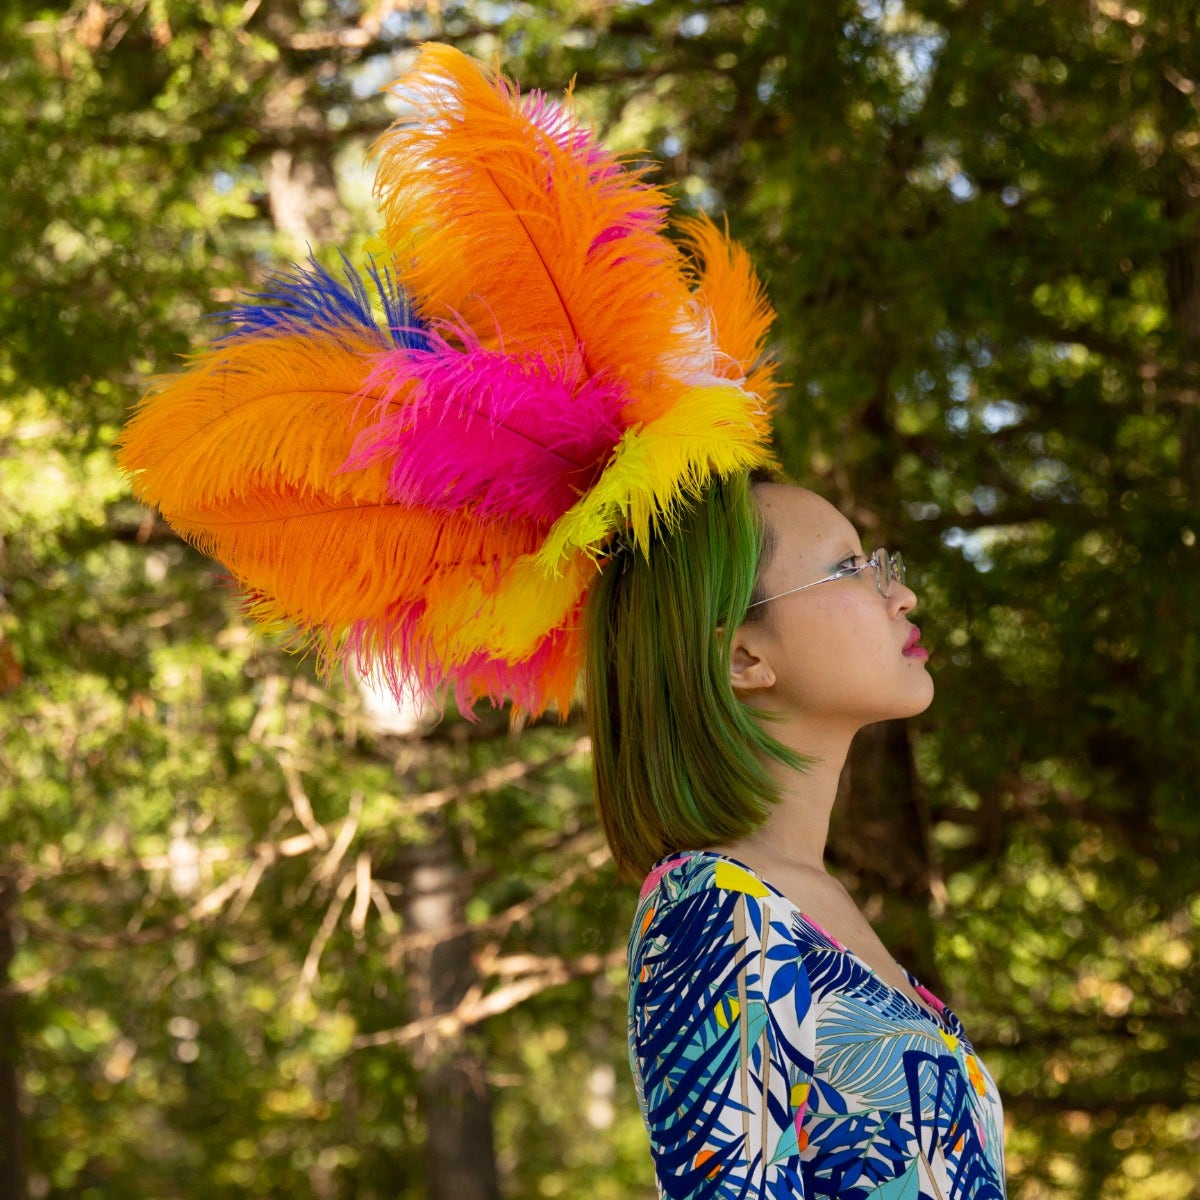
(507,215)
(740,316)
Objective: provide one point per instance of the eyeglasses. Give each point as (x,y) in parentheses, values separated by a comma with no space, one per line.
(889,568)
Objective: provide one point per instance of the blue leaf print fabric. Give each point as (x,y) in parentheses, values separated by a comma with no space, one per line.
(771,1062)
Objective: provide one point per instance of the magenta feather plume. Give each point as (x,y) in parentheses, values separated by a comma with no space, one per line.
(408,664)
(508,435)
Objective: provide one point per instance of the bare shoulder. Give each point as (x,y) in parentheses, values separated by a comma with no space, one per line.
(822,897)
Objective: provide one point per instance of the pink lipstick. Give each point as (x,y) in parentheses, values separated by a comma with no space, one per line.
(913,647)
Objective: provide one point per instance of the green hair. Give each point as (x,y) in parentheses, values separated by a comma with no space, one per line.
(679,761)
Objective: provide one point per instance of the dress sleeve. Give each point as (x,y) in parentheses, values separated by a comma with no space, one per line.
(722,1039)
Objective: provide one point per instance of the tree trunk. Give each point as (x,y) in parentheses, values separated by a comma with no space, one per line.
(302,199)
(455,1100)
(879,843)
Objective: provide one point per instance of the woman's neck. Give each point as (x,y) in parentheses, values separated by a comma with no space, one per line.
(795,832)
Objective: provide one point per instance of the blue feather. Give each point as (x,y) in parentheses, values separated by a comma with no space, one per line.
(309,299)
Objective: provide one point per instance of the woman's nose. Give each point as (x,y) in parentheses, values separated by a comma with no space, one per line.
(902,599)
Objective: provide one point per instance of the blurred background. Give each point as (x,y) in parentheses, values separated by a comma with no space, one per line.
(259,939)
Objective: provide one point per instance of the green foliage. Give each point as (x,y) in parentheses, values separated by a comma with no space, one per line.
(979,224)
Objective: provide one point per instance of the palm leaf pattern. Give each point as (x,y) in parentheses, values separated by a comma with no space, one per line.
(863,1051)
(771,1062)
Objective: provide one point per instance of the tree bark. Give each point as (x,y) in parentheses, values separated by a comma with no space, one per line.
(879,843)
(454,1095)
(302,198)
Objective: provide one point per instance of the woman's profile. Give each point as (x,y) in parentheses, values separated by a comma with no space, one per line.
(777,1048)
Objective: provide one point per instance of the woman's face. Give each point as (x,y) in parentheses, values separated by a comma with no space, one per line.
(837,652)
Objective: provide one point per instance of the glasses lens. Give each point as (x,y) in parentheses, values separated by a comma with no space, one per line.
(888,569)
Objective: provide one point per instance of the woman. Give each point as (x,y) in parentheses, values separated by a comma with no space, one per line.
(777,1048)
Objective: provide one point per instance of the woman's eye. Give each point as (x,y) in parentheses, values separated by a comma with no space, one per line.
(848,564)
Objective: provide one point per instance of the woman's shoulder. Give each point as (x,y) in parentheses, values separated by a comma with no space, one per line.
(701,885)
(704,898)
(689,872)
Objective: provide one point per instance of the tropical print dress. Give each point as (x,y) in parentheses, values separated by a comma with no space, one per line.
(772,1062)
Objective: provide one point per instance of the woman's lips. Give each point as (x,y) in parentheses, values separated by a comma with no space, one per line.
(913,647)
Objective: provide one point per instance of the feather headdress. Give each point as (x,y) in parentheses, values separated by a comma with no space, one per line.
(422,466)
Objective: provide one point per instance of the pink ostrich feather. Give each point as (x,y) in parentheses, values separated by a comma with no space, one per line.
(503,435)
(401,659)
(550,669)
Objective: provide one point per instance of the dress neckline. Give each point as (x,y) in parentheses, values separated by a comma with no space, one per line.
(927,1004)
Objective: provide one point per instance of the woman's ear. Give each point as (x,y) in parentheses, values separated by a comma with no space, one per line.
(749,669)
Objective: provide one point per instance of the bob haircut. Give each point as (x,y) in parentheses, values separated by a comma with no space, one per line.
(679,761)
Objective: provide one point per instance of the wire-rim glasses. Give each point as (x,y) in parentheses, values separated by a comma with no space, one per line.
(889,569)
